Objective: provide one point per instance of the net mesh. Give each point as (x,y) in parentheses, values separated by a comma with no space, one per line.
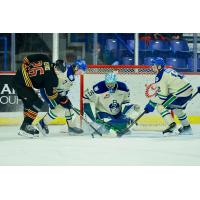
(138,79)
(125,69)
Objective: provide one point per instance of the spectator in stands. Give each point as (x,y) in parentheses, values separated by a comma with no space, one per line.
(177,36)
(161,36)
(167,36)
(146,37)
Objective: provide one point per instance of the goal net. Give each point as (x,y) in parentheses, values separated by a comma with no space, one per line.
(140,81)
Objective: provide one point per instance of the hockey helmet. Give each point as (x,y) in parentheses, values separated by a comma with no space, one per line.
(80,64)
(158,62)
(60,65)
(111,81)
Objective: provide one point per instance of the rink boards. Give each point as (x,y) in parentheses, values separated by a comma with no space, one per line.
(11,107)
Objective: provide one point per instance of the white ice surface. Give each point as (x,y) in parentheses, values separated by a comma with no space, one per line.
(140,148)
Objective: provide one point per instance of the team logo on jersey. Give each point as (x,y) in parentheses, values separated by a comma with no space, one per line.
(151,90)
(71,77)
(114,107)
(156,79)
(46,66)
(96,88)
(37,64)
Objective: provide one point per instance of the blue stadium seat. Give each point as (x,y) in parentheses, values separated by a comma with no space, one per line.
(144,49)
(148,61)
(191,64)
(111,44)
(159,48)
(131,44)
(178,64)
(128,61)
(180,48)
(143,46)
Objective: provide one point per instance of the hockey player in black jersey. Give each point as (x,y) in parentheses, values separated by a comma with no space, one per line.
(36,72)
(66,74)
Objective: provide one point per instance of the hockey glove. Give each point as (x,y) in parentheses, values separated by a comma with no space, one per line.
(150,107)
(65,102)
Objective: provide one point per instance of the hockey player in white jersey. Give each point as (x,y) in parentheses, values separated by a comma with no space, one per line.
(108,96)
(174,92)
(66,77)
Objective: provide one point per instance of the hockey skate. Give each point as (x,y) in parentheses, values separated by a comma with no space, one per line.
(172,130)
(28,130)
(185,130)
(42,127)
(74,130)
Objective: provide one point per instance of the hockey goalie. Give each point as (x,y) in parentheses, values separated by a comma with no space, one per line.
(111,100)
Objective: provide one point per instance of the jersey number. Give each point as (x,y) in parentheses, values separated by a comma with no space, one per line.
(34,71)
(176,74)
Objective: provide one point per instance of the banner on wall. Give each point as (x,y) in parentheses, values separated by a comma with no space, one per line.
(9,101)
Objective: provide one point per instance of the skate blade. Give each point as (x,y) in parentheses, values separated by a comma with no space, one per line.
(186,133)
(171,134)
(75,134)
(41,130)
(26,135)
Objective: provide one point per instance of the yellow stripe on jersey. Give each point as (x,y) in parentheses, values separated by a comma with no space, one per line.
(26,60)
(53,96)
(32,112)
(26,77)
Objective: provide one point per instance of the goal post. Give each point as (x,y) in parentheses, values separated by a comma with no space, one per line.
(139,79)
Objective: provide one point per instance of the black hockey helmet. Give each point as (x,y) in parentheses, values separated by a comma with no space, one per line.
(60,65)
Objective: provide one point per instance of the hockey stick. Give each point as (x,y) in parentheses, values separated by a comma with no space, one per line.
(78,113)
(107,124)
(197,92)
(123,131)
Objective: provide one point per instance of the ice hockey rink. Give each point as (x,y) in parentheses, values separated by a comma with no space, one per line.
(139,148)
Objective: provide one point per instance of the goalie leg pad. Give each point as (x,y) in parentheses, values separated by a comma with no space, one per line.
(117,122)
(88,111)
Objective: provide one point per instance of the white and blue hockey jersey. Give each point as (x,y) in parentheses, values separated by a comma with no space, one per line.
(104,101)
(65,81)
(170,82)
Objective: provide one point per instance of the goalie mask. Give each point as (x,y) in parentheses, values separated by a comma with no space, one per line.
(111,82)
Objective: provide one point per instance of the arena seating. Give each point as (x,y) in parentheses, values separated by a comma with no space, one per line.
(180,64)
(180,48)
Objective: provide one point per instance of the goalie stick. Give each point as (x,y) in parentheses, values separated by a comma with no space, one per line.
(78,113)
